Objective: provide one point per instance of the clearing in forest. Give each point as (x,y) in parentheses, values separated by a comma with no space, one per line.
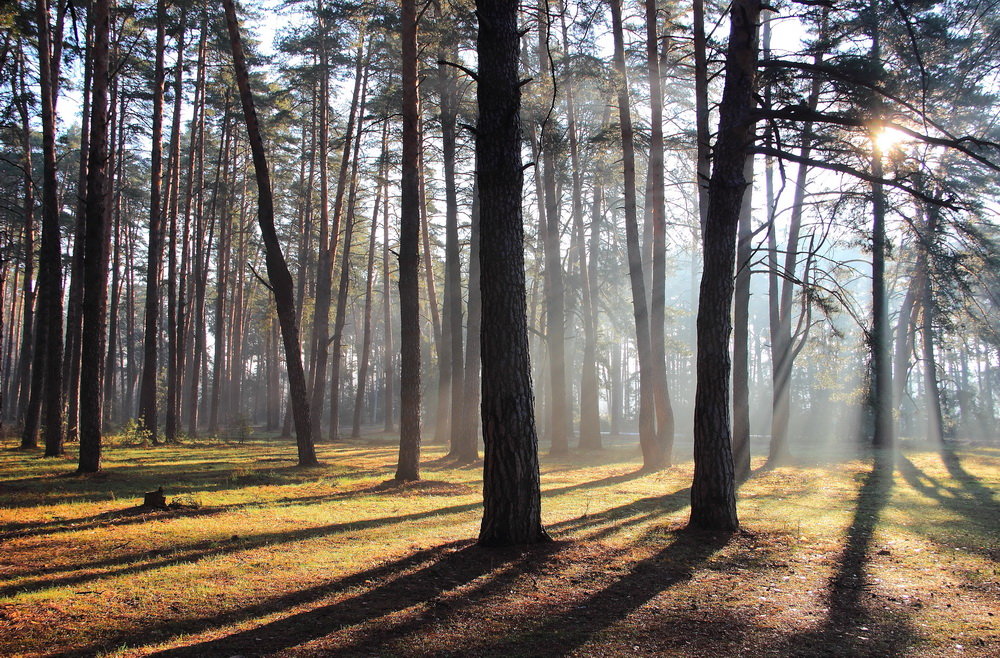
(259,557)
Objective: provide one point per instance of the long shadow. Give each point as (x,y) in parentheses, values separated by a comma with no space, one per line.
(450,571)
(601,524)
(980,510)
(173,627)
(563,633)
(139,561)
(857,623)
(985,496)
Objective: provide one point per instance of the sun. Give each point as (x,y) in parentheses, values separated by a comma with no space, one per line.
(888,138)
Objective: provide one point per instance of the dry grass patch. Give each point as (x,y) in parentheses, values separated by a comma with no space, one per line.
(835,559)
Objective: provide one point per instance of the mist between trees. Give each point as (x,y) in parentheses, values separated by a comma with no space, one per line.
(565,225)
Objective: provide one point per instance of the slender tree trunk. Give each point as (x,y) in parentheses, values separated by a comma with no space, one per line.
(74,312)
(555,294)
(879,335)
(741,333)
(653,455)
(277,270)
(408,466)
(452,313)
(467,450)
(150,367)
(24,368)
(340,317)
(387,348)
(703,152)
(935,417)
(713,490)
(46,386)
(366,340)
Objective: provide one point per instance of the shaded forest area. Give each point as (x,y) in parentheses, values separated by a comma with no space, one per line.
(736,246)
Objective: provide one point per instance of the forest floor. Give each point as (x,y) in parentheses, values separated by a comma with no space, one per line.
(262,558)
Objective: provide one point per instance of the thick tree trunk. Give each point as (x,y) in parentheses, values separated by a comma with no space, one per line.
(653,455)
(95,251)
(408,465)
(277,270)
(511,492)
(713,490)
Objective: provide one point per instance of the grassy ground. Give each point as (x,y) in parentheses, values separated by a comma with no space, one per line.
(266,558)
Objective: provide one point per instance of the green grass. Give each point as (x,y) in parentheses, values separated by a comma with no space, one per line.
(268,558)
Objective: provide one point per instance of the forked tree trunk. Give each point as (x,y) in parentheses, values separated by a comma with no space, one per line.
(277,270)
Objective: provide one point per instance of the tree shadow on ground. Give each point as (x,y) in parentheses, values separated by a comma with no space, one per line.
(647,578)
(448,569)
(858,621)
(970,500)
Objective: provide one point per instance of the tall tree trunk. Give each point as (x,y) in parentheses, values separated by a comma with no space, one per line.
(340,316)
(46,386)
(328,243)
(653,455)
(150,367)
(879,335)
(935,417)
(713,490)
(590,418)
(655,204)
(467,449)
(277,270)
(74,312)
(511,493)
(387,349)
(366,339)
(408,465)
(95,251)
(452,312)
(24,368)
(741,333)
(555,293)
(703,150)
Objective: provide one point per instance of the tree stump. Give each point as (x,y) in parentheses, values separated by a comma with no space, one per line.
(155,499)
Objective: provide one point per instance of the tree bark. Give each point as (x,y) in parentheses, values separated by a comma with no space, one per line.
(653,455)
(713,490)
(277,270)
(147,385)
(408,465)
(511,492)
(95,250)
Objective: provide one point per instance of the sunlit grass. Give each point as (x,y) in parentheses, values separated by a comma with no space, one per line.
(265,557)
